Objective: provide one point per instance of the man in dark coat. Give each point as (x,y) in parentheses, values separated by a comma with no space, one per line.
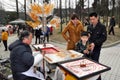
(37,35)
(21,56)
(112,25)
(98,35)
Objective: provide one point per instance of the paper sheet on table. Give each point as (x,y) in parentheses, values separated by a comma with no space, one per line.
(31,73)
(41,46)
(75,52)
(54,57)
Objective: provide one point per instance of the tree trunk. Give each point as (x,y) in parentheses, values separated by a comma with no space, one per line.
(17,9)
(25,9)
(66,10)
(88,6)
(69,10)
(31,1)
(61,14)
(113,7)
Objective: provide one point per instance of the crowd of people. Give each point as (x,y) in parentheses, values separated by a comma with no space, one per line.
(88,42)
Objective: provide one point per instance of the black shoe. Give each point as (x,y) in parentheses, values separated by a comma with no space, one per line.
(5,50)
(50,71)
(99,78)
(48,78)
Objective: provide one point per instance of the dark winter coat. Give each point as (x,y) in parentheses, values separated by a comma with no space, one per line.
(38,32)
(112,22)
(98,34)
(21,59)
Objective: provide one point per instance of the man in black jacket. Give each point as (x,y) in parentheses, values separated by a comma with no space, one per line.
(112,25)
(38,33)
(21,56)
(98,35)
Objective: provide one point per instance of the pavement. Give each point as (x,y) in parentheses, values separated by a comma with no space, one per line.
(110,56)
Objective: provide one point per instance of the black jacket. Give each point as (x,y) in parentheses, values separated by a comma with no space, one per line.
(98,34)
(38,32)
(112,22)
(21,59)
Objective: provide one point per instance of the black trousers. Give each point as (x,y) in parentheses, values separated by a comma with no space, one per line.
(5,44)
(95,56)
(96,53)
(47,37)
(111,30)
(37,38)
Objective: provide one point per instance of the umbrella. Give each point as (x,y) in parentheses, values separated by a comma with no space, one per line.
(17,21)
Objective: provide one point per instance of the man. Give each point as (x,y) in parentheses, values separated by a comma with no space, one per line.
(47,33)
(112,25)
(38,32)
(72,31)
(98,35)
(4,38)
(21,57)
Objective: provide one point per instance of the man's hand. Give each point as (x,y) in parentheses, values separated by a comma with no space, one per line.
(92,45)
(68,40)
(86,52)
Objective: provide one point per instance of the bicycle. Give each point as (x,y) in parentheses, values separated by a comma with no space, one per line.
(5,70)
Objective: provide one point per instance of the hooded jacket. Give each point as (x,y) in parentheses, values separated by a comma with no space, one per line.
(21,59)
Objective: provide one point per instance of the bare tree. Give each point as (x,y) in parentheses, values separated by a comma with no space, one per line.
(61,14)
(80,9)
(17,9)
(118,12)
(96,5)
(69,9)
(66,10)
(113,6)
(104,11)
(25,9)
(31,1)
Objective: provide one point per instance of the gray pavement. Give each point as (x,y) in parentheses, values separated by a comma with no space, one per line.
(110,56)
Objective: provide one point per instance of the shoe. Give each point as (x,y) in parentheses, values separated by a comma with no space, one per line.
(99,78)
(50,71)
(5,50)
(48,78)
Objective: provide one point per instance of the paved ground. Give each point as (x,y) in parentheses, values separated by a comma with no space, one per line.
(109,56)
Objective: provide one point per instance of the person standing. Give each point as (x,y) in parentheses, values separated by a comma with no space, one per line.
(4,38)
(98,35)
(21,57)
(112,25)
(71,32)
(47,33)
(37,35)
